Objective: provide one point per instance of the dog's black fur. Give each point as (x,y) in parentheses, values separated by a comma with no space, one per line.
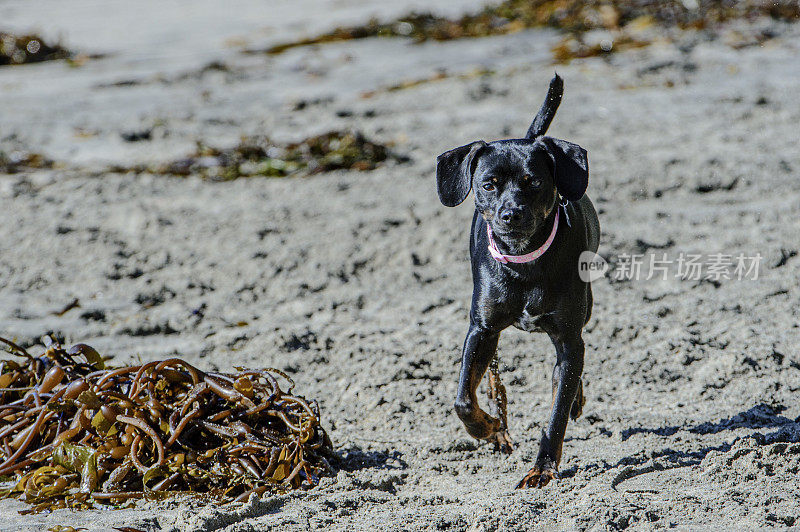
(517,184)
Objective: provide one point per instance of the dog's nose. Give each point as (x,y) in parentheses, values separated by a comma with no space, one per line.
(512,215)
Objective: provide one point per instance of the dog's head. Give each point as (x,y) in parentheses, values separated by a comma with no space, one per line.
(516,182)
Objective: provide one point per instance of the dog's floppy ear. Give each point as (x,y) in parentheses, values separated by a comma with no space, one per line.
(570,167)
(454,173)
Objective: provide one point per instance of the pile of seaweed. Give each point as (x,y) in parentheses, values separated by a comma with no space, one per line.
(22,49)
(574,17)
(74,432)
(253,157)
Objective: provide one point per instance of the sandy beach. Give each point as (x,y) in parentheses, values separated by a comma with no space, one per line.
(357,283)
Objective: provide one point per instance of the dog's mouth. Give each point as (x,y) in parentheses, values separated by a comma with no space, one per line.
(523,228)
(517,235)
(513,233)
(511,229)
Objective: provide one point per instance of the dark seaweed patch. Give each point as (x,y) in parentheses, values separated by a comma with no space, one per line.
(437,76)
(15,162)
(571,16)
(574,47)
(22,49)
(253,157)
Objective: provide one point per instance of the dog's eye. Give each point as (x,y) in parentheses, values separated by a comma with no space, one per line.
(488,186)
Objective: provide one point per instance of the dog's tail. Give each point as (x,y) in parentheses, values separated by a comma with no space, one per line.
(548,110)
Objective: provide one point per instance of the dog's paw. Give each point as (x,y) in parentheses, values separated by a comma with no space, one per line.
(502,442)
(538,477)
(479,424)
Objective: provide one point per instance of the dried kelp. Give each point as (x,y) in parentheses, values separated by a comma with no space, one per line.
(571,16)
(18,161)
(252,157)
(438,76)
(22,49)
(74,433)
(575,47)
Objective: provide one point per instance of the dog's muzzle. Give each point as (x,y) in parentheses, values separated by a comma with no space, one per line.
(528,257)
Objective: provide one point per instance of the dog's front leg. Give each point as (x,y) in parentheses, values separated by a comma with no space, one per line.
(479,349)
(566,381)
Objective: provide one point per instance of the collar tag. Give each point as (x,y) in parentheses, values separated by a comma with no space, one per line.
(564,204)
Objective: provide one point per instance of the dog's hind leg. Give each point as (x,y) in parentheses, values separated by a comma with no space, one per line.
(479,349)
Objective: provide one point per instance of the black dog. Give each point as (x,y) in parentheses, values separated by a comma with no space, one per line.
(525,246)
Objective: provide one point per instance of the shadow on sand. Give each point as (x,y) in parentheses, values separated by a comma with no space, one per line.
(760,416)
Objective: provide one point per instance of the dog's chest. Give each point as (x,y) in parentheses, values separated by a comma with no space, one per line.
(532,313)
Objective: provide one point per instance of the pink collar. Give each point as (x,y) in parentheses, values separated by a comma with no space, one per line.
(528,257)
